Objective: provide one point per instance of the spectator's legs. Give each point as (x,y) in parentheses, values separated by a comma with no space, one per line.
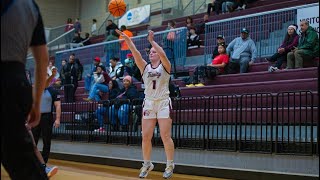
(274,57)
(290,60)
(280,59)
(299,57)
(46,124)
(210,5)
(224,7)
(123,114)
(244,64)
(100,113)
(217,7)
(87,83)
(36,131)
(100,87)
(72,98)
(92,91)
(112,115)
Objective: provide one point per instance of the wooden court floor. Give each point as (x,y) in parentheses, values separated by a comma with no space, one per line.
(83,171)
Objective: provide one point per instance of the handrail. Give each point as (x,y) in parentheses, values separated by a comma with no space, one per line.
(103,24)
(135,37)
(187,5)
(204,2)
(56,27)
(263,13)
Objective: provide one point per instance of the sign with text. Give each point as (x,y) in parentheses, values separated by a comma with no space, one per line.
(310,14)
(135,16)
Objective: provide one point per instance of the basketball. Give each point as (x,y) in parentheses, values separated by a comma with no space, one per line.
(117,7)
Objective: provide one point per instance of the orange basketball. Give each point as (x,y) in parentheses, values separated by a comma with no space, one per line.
(117,7)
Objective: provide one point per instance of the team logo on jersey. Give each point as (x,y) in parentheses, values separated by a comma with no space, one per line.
(146,113)
(154,74)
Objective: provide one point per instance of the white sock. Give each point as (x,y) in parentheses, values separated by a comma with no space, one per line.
(169,162)
(147,162)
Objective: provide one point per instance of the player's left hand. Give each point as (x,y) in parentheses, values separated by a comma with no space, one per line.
(56,123)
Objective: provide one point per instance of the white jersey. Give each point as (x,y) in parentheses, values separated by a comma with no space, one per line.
(156,82)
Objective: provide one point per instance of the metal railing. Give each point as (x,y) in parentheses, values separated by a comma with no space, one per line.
(176,50)
(284,123)
(267,29)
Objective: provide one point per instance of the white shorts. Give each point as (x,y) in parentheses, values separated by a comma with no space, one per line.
(156,109)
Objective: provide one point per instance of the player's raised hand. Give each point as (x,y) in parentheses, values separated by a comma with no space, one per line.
(123,35)
(150,36)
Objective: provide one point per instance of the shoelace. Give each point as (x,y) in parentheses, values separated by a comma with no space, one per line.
(169,169)
(144,167)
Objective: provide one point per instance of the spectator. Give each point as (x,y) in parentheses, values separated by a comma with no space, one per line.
(55,81)
(120,109)
(49,68)
(71,79)
(94,31)
(189,22)
(89,77)
(290,41)
(111,49)
(193,38)
(132,69)
(77,26)
(244,51)
(308,47)
(211,70)
(201,26)
(114,91)
(79,69)
(111,26)
(62,74)
(116,70)
(216,5)
(69,26)
(168,40)
(86,40)
(228,6)
(220,40)
(101,79)
(76,41)
(124,46)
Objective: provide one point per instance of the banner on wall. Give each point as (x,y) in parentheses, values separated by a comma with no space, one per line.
(310,14)
(135,16)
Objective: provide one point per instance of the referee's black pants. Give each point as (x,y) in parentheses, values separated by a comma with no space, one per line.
(17,153)
(44,129)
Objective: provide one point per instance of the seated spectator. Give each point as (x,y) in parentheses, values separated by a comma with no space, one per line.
(116,70)
(86,40)
(216,5)
(121,109)
(308,47)
(211,70)
(114,91)
(193,38)
(76,41)
(201,26)
(243,52)
(101,80)
(132,69)
(290,41)
(55,81)
(50,64)
(111,26)
(189,22)
(220,40)
(228,6)
(89,77)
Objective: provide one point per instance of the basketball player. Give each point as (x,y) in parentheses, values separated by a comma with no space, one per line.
(21,28)
(156,105)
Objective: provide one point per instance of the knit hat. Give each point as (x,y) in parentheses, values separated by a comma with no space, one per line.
(53,67)
(244,30)
(292,26)
(127,61)
(128,78)
(220,37)
(97,59)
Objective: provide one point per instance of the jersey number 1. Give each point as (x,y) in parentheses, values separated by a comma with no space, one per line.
(154,84)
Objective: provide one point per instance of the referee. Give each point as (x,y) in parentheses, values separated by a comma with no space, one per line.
(21,28)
